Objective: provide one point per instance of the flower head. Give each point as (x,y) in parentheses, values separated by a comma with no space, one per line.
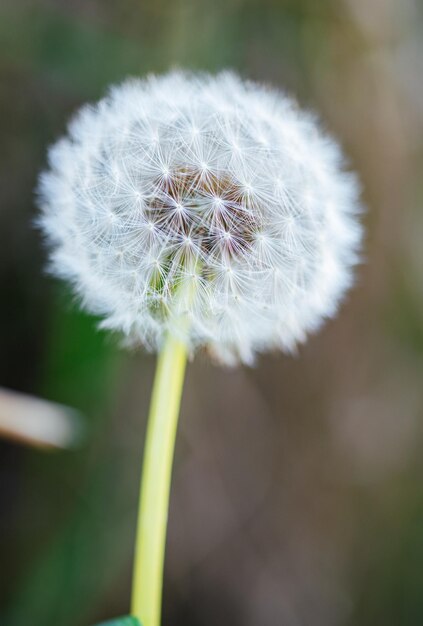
(206,181)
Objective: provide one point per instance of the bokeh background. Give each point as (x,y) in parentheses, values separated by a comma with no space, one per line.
(297,496)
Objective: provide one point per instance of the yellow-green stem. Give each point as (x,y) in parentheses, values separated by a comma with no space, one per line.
(155,483)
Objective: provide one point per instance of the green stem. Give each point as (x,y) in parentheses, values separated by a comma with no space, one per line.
(155,483)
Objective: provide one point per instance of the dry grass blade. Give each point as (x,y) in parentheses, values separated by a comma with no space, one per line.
(36,422)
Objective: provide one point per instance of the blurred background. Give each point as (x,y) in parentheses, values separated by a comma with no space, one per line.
(297,496)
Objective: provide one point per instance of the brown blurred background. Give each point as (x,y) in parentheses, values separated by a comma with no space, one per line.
(297,496)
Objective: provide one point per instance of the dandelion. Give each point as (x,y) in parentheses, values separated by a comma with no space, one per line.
(197,211)
(210,179)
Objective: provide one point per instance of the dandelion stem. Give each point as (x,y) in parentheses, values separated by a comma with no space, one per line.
(155,483)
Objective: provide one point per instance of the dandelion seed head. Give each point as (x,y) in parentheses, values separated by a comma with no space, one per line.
(210,180)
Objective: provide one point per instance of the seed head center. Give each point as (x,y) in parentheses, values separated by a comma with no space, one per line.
(211,211)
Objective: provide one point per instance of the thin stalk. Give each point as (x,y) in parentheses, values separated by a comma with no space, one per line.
(155,483)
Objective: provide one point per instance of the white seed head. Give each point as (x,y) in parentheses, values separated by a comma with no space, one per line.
(205,181)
